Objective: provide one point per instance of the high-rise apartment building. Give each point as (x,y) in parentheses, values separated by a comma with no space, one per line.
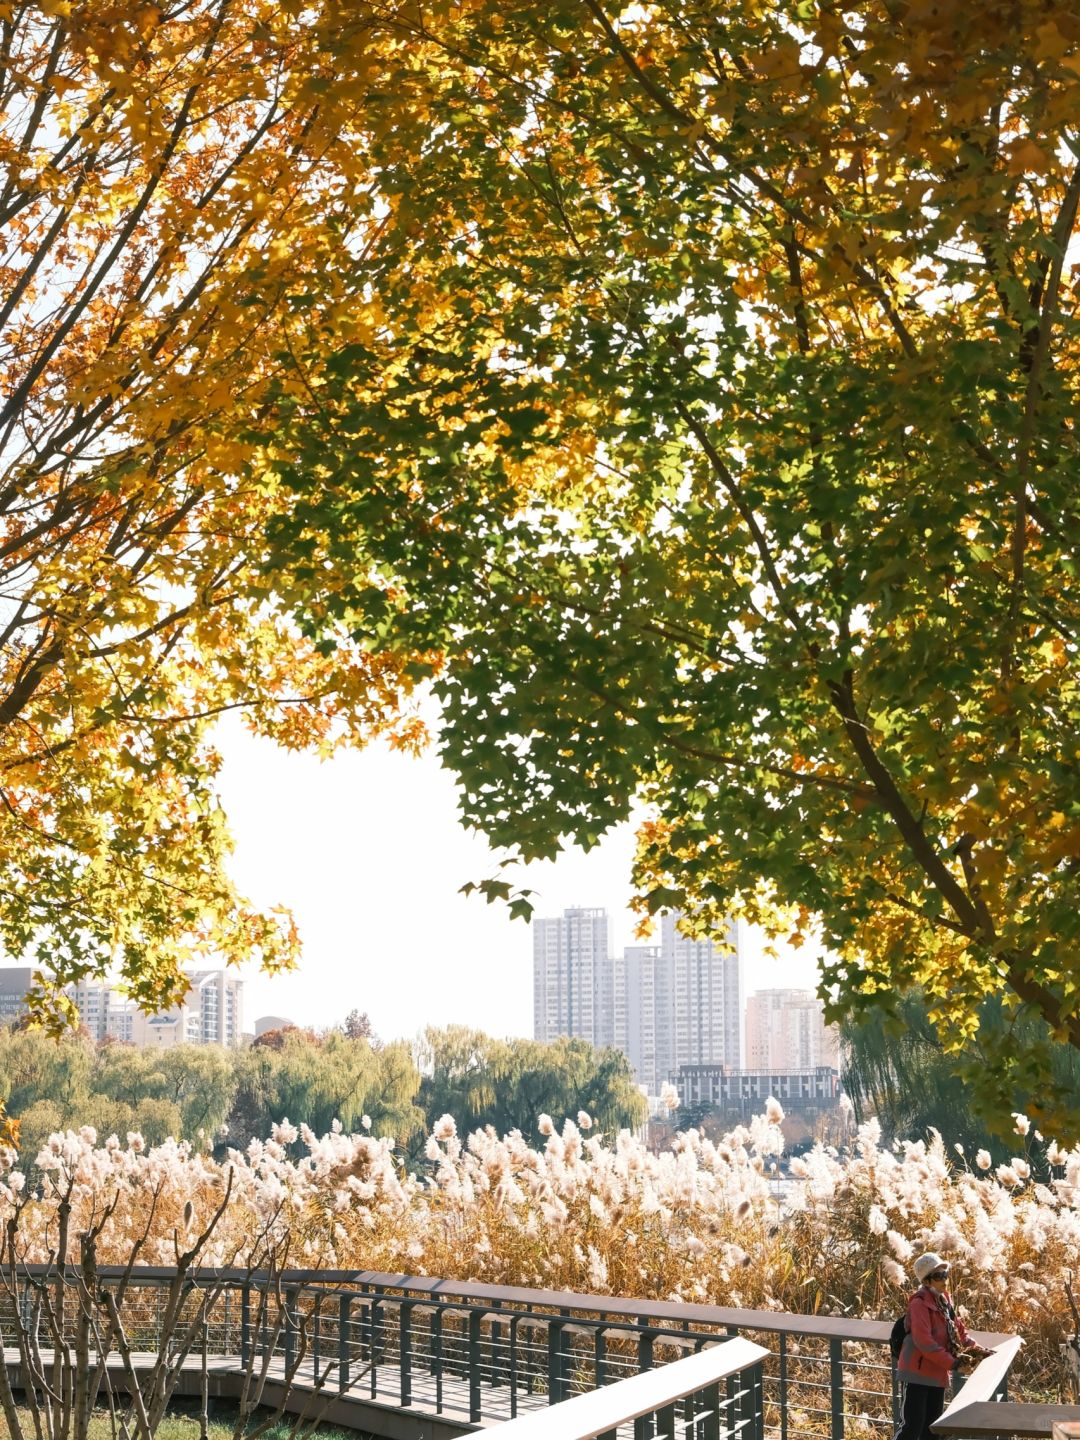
(640,966)
(668,1005)
(96,1002)
(698,1000)
(786,1030)
(573,977)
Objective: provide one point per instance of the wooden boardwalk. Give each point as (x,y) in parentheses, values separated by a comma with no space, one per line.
(439,1407)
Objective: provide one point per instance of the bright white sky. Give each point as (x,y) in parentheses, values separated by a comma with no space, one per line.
(367,852)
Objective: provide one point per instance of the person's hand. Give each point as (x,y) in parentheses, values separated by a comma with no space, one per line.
(973,1353)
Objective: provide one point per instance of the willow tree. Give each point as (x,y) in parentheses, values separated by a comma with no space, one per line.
(897,1069)
(178,181)
(508,1084)
(734,469)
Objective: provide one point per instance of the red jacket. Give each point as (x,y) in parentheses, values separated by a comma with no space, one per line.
(925,1358)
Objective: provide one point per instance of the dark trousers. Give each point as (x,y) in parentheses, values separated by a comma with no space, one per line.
(923,1405)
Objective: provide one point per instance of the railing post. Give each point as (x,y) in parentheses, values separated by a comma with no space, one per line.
(513,1366)
(836,1386)
(373,1322)
(710,1430)
(554,1361)
(245,1325)
(600,1362)
(436,1357)
(643,1425)
(316,1326)
(367,1339)
(495,1349)
(343,1341)
(475,1317)
(405,1351)
(742,1417)
(288,1300)
(645,1351)
(783,1385)
(756,1385)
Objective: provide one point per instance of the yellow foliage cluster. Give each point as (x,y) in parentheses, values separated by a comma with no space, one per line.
(177,185)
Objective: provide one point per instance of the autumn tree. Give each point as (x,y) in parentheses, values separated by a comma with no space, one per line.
(178,182)
(734,472)
(357,1026)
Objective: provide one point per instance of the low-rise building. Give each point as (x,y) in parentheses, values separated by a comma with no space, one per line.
(211,1013)
(743,1092)
(266,1023)
(15,981)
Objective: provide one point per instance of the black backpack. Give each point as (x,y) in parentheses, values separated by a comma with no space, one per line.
(896,1337)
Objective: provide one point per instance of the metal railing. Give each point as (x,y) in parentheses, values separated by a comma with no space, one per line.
(478,1354)
(714,1394)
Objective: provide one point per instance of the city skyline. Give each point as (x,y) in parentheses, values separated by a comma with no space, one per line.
(677,1009)
(341,842)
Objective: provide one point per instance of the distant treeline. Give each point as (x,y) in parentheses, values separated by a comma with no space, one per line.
(216,1097)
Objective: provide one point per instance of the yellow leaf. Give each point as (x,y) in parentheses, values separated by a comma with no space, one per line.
(1025,155)
(1051,43)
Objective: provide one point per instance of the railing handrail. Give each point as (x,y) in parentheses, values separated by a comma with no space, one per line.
(984,1382)
(986,1379)
(598,1412)
(831,1327)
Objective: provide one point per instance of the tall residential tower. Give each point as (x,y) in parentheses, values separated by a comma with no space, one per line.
(668,1005)
(573,977)
(786,1030)
(698,991)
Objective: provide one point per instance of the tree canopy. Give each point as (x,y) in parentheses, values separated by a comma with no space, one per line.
(178,181)
(723,443)
(211,1095)
(691,392)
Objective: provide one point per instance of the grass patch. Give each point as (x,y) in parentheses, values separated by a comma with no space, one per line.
(186,1427)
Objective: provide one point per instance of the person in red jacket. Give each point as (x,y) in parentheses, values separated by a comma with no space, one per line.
(935,1344)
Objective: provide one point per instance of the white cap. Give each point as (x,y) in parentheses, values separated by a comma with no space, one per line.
(926,1265)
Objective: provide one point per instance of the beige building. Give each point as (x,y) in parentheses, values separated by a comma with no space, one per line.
(98,1004)
(162,1032)
(639,973)
(211,1013)
(786,1030)
(218,998)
